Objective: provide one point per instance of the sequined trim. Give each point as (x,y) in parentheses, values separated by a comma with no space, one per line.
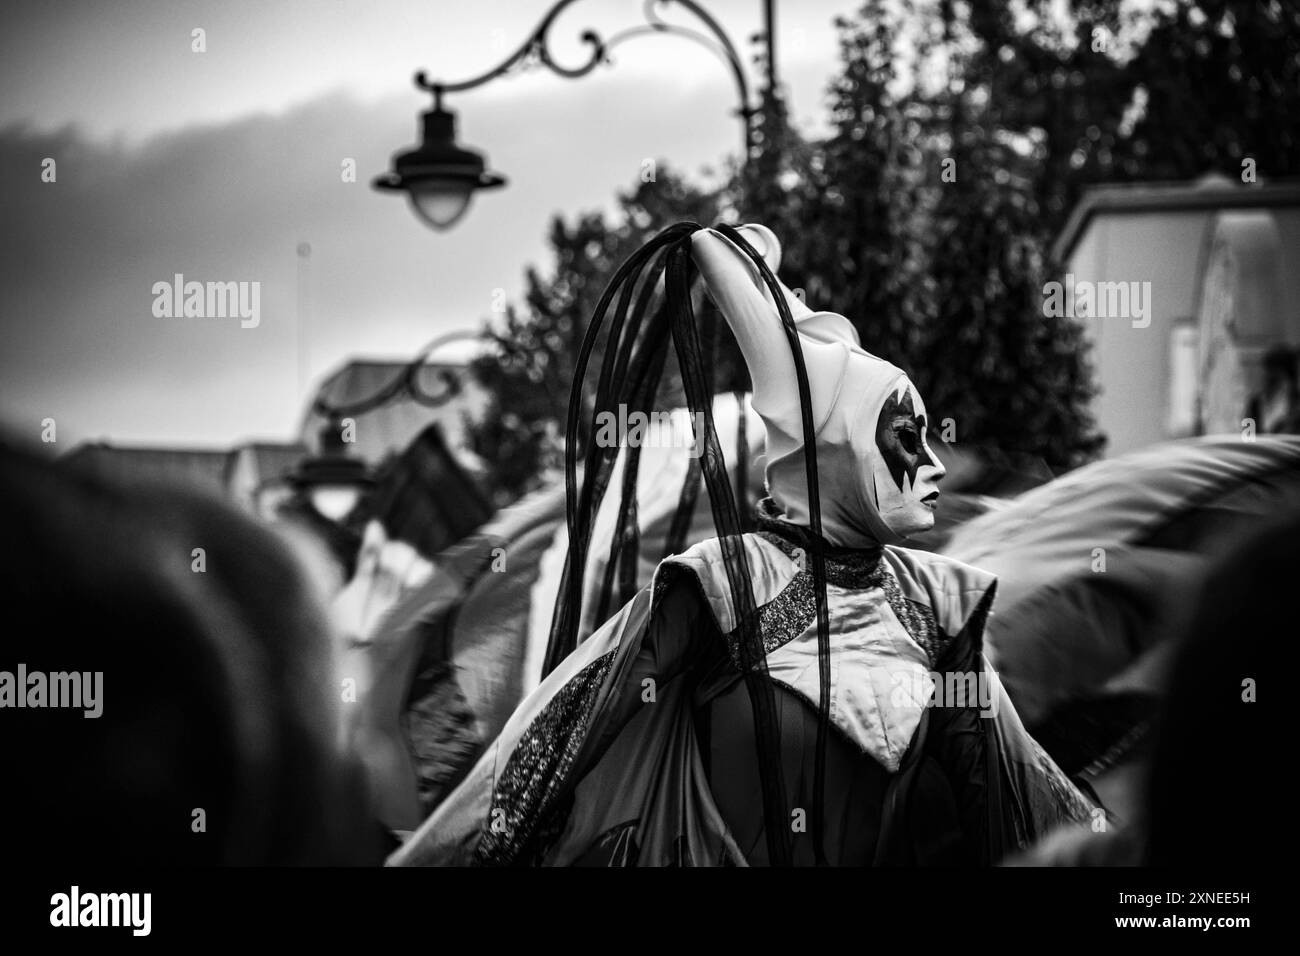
(851,570)
(781,619)
(539,767)
(917,619)
(792,611)
(439,734)
(1068,801)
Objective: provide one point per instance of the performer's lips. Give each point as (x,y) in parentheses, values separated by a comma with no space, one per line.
(931,500)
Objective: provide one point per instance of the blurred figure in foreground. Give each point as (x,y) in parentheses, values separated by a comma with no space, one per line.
(1209,772)
(217,738)
(1213,713)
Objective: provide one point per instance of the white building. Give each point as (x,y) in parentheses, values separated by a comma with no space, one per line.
(1221,264)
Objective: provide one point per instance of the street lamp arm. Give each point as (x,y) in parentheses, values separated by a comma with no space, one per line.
(405,384)
(537,45)
(439,176)
(725,47)
(715,40)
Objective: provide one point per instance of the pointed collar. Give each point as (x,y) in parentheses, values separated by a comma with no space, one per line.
(845,567)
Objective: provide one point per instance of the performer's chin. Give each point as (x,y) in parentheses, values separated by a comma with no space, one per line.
(916,521)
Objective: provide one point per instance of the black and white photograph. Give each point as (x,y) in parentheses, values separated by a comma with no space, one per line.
(645,434)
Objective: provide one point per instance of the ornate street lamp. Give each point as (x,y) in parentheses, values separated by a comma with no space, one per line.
(440,177)
(332,482)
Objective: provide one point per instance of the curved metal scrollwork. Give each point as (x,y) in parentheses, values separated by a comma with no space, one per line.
(405,384)
(536,48)
(536,45)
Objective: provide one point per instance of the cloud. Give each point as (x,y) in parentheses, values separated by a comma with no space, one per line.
(231,202)
(230,195)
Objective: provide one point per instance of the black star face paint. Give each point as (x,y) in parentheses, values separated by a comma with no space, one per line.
(905,472)
(898,436)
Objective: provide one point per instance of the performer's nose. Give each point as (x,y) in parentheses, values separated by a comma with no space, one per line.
(932,459)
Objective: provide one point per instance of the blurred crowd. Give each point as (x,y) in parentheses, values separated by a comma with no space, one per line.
(233,732)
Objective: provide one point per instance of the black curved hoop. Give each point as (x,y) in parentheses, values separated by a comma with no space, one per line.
(815,516)
(631,367)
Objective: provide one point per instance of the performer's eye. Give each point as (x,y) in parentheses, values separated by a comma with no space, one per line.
(907,437)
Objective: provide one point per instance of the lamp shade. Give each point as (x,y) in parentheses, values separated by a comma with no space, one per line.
(440,202)
(332,482)
(440,176)
(335,502)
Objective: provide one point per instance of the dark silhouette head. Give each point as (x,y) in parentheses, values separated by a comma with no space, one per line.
(217,740)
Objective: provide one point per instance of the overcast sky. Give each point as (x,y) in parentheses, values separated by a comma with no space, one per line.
(218,164)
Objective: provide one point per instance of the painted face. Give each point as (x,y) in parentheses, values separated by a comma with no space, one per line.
(905,473)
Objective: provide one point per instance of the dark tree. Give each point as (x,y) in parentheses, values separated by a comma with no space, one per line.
(927,214)
(536,347)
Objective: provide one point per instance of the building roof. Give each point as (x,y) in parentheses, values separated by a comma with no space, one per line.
(390,428)
(269,460)
(207,469)
(1208,193)
(203,469)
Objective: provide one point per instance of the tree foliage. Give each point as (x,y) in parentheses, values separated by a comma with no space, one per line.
(961,136)
(529,370)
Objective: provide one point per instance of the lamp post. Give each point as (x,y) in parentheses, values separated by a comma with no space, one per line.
(440,177)
(332,482)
